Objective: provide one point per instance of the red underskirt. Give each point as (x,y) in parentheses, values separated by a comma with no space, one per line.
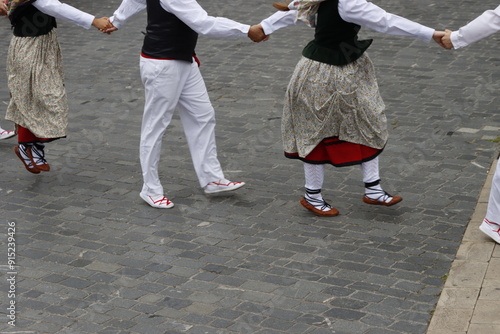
(25,136)
(338,153)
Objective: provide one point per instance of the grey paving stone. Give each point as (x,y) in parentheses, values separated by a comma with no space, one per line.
(91,253)
(346,314)
(221,323)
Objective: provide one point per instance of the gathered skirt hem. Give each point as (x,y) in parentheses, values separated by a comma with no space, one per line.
(338,153)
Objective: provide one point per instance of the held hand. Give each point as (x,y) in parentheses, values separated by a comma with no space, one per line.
(102,24)
(437,37)
(256,34)
(111,29)
(446,40)
(3,9)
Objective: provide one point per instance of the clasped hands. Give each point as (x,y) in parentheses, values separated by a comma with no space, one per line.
(443,38)
(256,33)
(104,25)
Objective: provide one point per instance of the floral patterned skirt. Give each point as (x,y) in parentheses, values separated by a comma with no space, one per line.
(36,83)
(325,101)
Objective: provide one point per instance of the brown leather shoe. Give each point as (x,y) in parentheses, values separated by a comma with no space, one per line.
(45,167)
(330,213)
(29,167)
(394,200)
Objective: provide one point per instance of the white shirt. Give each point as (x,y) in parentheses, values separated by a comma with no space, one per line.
(189,12)
(363,13)
(481,27)
(64,12)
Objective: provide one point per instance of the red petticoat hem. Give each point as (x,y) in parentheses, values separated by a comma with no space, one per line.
(338,153)
(25,136)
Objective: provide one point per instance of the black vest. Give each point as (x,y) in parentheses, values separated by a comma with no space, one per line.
(27,21)
(167,36)
(335,40)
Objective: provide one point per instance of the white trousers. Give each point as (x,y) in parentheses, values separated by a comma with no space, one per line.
(171,84)
(493,211)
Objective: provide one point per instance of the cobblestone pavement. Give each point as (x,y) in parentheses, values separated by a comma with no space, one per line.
(92,257)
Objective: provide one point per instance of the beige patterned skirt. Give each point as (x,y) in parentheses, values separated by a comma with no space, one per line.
(324,101)
(36,83)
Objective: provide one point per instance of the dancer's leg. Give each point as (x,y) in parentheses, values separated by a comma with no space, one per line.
(313,201)
(374,194)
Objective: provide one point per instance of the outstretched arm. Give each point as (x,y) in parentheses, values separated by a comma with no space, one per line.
(65,12)
(194,16)
(369,15)
(481,27)
(127,9)
(279,20)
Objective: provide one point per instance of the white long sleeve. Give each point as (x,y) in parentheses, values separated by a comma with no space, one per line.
(368,15)
(126,10)
(363,13)
(278,20)
(189,12)
(481,27)
(64,12)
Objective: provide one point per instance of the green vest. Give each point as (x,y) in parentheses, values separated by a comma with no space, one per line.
(335,40)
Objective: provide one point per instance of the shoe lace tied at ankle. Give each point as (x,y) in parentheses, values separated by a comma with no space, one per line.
(383,196)
(24,154)
(38,155)
(320,204)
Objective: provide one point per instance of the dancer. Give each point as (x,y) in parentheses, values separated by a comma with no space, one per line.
(333,112)
(172,79)
(38,104)
(479,28)
(4,134)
